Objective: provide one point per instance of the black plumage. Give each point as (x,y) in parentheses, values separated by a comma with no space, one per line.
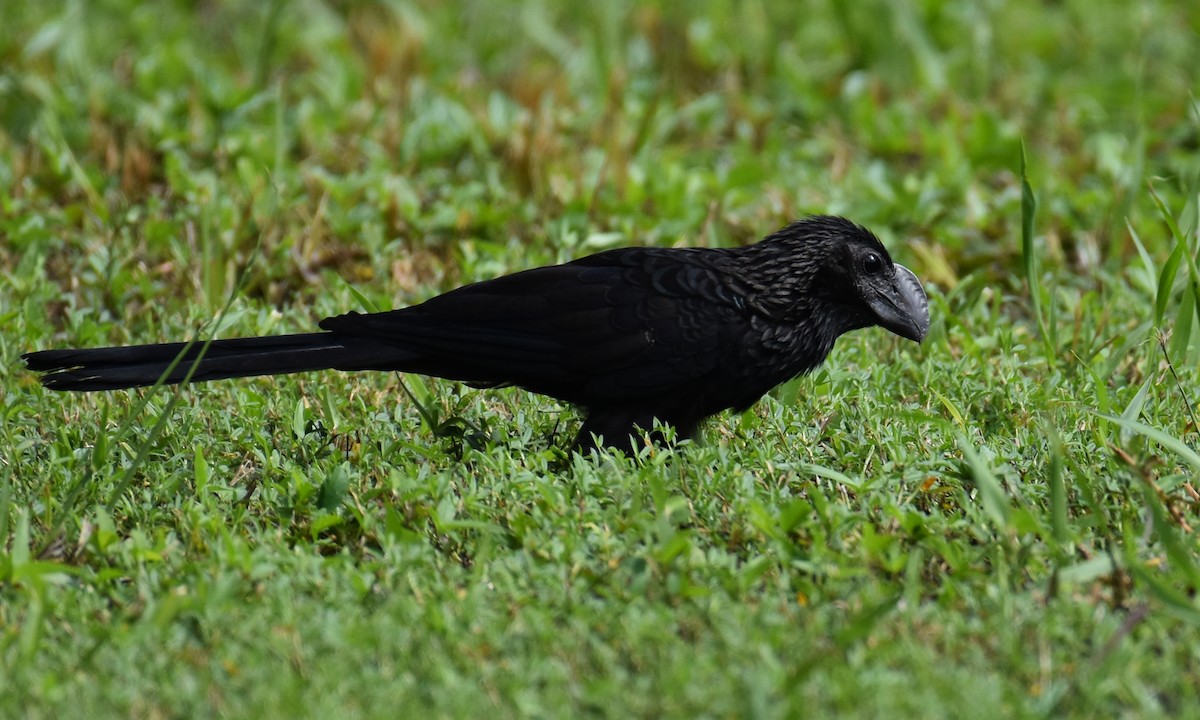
(629,335)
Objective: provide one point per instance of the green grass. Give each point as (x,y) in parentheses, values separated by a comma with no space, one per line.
(1000,521)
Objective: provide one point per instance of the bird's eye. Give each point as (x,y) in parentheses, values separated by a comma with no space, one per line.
(872,263)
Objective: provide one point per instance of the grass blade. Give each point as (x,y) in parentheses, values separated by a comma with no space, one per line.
(1058,489)
(995,500)
(1032,278)
(1167,440)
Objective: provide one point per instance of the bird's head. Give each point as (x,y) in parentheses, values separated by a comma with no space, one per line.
(846,267)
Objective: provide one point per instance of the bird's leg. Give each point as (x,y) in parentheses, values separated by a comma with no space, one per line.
(617,429)
(627,430)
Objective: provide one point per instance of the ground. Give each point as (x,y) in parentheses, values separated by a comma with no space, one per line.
(999,521)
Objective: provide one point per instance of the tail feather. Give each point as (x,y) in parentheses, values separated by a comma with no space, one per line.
(117,368)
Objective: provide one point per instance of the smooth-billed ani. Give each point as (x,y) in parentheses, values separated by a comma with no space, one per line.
(629,335)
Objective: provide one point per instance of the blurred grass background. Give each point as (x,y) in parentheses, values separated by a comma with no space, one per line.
(1000,521)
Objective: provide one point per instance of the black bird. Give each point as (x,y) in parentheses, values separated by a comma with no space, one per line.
(629,335)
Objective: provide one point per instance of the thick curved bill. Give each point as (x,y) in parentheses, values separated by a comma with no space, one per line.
(903,308)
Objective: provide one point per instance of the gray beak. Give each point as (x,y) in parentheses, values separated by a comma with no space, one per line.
(903,307)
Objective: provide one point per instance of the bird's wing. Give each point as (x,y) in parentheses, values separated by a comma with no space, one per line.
(622,323)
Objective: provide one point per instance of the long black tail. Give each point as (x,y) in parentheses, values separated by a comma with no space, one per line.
(117,368)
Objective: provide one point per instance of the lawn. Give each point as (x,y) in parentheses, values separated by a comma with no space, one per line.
(1000,522)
